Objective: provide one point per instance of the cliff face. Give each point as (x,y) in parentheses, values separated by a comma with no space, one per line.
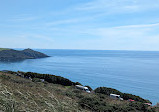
(13,55)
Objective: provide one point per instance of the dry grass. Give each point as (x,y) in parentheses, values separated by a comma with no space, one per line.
(19,94)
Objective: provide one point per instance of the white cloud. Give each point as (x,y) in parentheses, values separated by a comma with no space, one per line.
(65,21)
(139,26)
(131,37)
(119,6)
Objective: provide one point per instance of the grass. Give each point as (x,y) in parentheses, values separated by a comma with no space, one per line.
(20,95)
(1,49)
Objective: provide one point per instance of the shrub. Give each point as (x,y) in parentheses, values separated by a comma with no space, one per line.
(107,91)
(98,105)
(5,76)
(36,80)
(91,103)
(89,88)
(50,78)
(77,91)
(138,106)
(95,104)
(77,83)
(70,94)
(125,96)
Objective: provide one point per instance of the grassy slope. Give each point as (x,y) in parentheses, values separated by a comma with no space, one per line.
(1,49)
(19,94)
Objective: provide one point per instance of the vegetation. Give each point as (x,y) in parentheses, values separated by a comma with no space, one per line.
(105,105)
(14,55)
(125,96)
(19,93)
(89,87)
(49,78)
(1,49)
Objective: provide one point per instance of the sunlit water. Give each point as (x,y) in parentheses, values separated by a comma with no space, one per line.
(135,72)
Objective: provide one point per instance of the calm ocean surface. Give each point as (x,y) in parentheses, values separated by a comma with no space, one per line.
(135,72)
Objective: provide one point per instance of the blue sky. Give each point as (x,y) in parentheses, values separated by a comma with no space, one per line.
(80,24)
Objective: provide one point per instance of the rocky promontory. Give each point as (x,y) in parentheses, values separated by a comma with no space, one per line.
(14,55)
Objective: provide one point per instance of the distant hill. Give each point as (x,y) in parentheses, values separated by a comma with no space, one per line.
(14,55)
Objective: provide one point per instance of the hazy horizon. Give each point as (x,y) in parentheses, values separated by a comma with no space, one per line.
(82,49)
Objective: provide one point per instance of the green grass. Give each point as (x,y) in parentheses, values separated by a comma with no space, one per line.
(1,49)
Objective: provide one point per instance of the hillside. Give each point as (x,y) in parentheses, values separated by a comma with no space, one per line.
(1,49)
(14,55)
(22,94)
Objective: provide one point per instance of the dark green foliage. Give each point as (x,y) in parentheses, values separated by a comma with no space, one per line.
(98,104)
(125,96)
(50,78)
(91,103)
(74,93)
(11,72)
(47,77)
(15,55)
(107,91)
(77,83)
(138,106)
(36,80)
(89,88)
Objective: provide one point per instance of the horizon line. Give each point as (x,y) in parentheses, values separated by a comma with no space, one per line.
(88,49)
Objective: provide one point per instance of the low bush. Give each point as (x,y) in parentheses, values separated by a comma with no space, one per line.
(125,96)
(36,80)
(89,87)
(107,91)
(77,83)
(96,104)
(5,76)
(50,78)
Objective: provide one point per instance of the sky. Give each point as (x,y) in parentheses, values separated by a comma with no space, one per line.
(80,24)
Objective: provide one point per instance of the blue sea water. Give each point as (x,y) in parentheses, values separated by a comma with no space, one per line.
(135,72)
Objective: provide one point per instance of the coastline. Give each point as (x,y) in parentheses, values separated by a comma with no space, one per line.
(119,70)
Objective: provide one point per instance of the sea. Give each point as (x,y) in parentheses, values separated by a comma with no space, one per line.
(134,72)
